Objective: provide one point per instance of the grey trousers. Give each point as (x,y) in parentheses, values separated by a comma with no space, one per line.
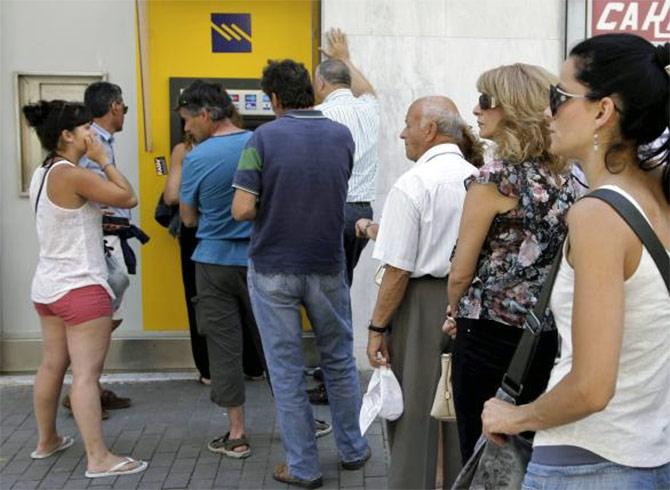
(416,342)
(224,315)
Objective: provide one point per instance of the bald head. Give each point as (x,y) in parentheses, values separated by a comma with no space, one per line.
(431,121)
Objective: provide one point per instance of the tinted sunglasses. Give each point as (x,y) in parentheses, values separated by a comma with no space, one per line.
(558,97)
(487,102)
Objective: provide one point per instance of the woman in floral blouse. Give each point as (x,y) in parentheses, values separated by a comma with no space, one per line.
(512,226)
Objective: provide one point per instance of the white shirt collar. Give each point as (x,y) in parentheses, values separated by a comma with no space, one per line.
(438,149)
(336,94)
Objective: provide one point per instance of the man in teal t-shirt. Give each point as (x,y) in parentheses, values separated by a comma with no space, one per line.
(223,308)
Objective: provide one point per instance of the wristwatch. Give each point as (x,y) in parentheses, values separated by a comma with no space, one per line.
(372,328)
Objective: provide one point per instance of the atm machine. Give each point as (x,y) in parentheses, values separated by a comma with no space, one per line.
(252,104)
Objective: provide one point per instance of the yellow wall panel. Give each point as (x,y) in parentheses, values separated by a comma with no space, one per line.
(180,46)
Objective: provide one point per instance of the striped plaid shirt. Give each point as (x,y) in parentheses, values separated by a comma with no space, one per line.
(361,116)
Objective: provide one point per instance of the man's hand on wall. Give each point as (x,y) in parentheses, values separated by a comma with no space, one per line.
(337,47)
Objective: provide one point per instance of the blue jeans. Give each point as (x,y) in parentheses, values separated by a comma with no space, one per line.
(276,300)
(599,476)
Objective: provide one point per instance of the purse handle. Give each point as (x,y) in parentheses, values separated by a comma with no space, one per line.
(516,374)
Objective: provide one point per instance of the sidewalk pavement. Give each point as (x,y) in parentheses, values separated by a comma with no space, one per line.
(169,425)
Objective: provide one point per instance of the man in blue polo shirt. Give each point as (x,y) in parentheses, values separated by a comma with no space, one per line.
(223,309)
(292,182)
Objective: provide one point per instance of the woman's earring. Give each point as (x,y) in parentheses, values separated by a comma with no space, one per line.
(595,142)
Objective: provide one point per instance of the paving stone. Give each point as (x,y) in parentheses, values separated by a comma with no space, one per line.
(205,471)
(351,478)
(176,482)
(154,475)
(17,466)
(375,469)
(102,482)
(169,425)
(76,483)
(200,484)
(26,484)
(375,483)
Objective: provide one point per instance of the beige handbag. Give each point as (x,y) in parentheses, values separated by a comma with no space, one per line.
(443,405)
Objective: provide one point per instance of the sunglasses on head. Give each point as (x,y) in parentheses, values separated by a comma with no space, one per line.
(487,102)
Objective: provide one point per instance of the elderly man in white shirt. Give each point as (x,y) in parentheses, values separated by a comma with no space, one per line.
(417,233)
(346,97)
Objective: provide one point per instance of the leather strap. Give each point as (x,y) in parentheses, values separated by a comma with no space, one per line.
(516,374)
(517,371)
(640,226)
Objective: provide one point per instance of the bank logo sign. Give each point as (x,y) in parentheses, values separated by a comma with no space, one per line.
(231,33)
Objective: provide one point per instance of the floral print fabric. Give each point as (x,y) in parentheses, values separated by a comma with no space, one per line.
(521,244)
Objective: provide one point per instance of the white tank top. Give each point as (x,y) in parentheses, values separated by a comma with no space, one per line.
(71,245)
(634,428)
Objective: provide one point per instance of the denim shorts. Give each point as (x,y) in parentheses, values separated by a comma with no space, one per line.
(599,476)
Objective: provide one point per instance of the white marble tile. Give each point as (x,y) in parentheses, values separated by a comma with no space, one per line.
(386,17)
(528,19)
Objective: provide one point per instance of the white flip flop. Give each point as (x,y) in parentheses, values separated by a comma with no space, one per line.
(117,471)
(65,442)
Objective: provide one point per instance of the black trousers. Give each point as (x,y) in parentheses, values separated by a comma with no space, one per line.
(353,246)
(482,352)
(187,244)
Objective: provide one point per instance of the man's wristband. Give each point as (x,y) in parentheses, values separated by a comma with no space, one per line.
(372,328)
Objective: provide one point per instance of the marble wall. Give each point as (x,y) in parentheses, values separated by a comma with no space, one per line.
(412,48)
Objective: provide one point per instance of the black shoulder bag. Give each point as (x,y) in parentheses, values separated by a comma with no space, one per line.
(492,466)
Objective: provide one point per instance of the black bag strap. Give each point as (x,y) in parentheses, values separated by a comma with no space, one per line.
(516,374)
(47,167)
(517,371)
(640,226)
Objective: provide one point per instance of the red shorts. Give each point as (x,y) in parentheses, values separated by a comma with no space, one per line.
(79,305)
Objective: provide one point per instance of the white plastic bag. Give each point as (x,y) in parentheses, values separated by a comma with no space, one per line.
(383,398)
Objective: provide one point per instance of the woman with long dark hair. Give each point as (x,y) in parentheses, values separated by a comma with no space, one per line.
(604,422)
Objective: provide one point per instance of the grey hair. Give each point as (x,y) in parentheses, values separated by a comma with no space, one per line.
(215,113)
(335,72)
(448,123)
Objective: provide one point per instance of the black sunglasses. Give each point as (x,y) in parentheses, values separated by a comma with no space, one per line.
(558,97)
(487,102)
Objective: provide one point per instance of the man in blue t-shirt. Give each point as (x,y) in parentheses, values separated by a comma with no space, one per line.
(292,182)
(223,308)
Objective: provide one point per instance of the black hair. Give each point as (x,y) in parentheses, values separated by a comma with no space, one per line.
(211,97)
(634,70)
(51,118)
(289,80)
(99,97)
(335,72)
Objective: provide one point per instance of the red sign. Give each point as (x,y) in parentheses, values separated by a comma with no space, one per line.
(647,18)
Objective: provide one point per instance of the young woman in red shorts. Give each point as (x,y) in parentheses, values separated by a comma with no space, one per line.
(69,288)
